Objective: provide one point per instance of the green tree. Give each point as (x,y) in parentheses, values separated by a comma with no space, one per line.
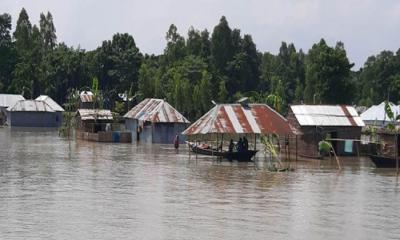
(7,52)
(221,45)
(328,74)
(176,49)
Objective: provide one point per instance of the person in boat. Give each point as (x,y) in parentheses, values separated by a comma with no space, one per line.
(176,142)
(239,145)
(245,144)
(231,146)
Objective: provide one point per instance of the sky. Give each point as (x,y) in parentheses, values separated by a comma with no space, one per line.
(366,27)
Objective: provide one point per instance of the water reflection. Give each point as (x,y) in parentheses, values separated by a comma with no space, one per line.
(53,188)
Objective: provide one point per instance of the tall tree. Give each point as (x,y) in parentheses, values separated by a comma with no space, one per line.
(23,32)
(7,52)
(48,31)
(328,74)
(176,49)
(221,45)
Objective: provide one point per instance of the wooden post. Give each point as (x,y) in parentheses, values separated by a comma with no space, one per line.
(396,153)
(255,141)
(296,148)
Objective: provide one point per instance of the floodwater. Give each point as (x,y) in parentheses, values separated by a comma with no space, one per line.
(55,189)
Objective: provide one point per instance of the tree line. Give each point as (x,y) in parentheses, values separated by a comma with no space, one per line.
(223,65)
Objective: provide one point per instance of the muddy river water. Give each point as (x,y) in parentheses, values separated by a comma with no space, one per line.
(51,188)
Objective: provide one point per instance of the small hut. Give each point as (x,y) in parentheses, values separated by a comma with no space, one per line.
(314,123)
(6,101)
(86,100)
(93,120)
(33,113)
(155,121)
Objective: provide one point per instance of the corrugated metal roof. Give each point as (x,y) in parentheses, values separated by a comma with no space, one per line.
(327,115)
(9,100)
(378,113)
(156,110)
(93,114)
(86,96)
(30,106)
(50,102)
(236,119)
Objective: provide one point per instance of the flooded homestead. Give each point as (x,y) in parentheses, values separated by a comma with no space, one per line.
(52,188)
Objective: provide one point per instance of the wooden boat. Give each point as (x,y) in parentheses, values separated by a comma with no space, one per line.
(205,149)
(383,162)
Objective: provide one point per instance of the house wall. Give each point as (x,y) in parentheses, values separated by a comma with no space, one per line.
(307,141)
(156,133)
(35,119)
(166,132)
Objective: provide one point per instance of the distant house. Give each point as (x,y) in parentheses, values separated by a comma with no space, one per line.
(93,120)
(97,125)
(313,123)
(86,100)
(376,115)
(155,121)
(33,113)
(6,101)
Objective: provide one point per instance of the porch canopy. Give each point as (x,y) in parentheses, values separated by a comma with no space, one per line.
(240,119)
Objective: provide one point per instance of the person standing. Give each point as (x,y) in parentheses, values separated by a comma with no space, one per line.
(176,142)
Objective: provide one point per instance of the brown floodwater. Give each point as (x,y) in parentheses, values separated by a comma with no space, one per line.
(55,189)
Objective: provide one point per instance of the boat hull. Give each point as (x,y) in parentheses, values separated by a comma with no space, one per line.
(383,162)
(244,156)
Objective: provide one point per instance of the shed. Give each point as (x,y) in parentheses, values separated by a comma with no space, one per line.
(314,123)
(86,100)
(376,115)
(93,120)
(33,113)
(6,101)
(155,121)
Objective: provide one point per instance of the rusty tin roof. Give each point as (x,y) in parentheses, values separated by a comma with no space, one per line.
(156,111)
(86,96)
(327,115)
(240,119)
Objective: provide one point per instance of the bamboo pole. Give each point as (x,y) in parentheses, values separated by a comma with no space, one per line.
(337,159)
(396,154)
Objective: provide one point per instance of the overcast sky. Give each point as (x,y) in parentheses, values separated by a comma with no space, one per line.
(365,26)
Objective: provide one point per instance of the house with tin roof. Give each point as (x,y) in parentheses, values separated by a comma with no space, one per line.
(313,123)
(34,113)
(155,121)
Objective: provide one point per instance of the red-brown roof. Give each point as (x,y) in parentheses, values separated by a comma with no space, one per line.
(237,119)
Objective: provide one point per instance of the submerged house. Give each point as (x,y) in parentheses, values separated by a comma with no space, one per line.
(93,120)
(313,123)
(155,121)
(34,113)
(376,115)
(6,101)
